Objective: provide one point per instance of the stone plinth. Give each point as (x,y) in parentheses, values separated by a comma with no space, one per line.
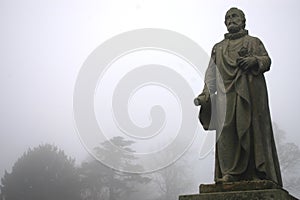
(257,190)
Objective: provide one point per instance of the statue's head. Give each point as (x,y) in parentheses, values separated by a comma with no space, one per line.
(235,20)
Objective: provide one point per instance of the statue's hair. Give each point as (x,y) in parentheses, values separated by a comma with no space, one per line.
(241,13)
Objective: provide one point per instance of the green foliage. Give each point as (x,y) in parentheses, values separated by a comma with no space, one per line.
(102,182)
(43,173)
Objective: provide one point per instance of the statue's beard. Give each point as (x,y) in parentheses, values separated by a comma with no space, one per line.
(234,28)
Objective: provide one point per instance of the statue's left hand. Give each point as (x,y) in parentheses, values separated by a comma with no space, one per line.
(246,62)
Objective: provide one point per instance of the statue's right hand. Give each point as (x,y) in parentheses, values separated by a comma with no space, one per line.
(197,102)
(203,97)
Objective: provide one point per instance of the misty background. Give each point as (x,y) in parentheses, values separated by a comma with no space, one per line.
(44,44)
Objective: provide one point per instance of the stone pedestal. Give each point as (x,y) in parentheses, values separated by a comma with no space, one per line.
(257,190)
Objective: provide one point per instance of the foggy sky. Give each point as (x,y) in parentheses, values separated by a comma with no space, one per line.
(44,44)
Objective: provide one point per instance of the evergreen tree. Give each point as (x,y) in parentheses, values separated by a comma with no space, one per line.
(103,182)
(44,173)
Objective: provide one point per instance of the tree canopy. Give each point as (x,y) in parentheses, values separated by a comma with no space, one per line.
(103,182)
(44,172)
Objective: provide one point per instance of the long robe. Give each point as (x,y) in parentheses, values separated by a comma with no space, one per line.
(245,144)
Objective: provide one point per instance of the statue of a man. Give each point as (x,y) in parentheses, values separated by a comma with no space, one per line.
(245,147)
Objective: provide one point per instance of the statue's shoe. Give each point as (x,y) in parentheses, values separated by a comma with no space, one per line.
(228,178)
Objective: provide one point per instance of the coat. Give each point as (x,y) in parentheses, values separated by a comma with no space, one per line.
(245,143)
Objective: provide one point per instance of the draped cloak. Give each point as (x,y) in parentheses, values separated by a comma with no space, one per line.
(245,143)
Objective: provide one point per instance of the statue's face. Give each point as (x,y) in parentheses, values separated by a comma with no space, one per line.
(233,21)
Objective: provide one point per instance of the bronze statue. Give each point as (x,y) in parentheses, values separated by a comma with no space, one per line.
(234,102)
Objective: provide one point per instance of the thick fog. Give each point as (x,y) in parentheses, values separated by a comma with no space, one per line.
(45,43)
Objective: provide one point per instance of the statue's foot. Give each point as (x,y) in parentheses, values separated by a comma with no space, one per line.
(227,178)
(256,178)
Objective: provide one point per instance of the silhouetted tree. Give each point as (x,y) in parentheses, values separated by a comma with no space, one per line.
(173,180)
(289,158)
(44,173)
(103,182)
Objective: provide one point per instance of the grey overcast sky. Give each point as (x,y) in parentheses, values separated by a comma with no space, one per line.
(44,43)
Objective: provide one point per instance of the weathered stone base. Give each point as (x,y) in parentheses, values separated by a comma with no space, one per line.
(256,190)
